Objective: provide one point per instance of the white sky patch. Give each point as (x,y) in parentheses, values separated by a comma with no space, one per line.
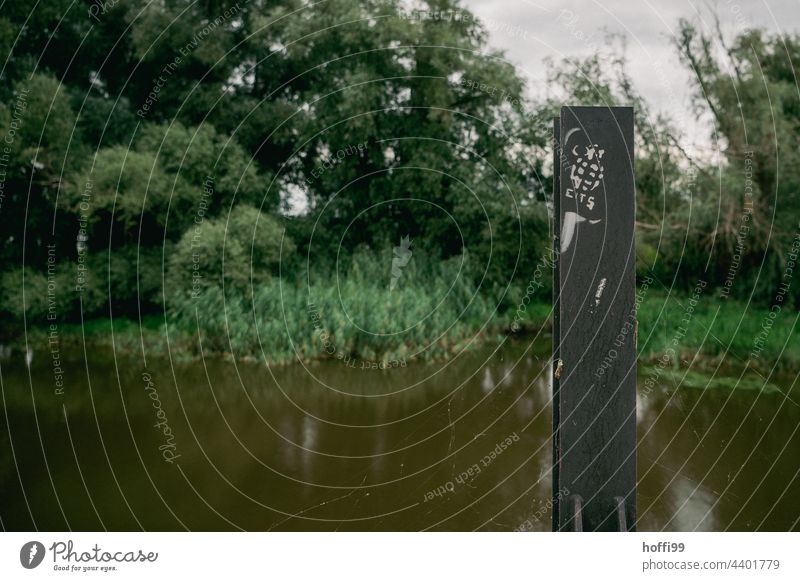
(649,26)
(296,200)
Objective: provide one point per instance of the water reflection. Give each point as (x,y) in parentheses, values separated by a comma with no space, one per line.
(328,446)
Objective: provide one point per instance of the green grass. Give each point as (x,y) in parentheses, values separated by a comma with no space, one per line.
(431,314)
(128,335)
(686,378)
(717,330)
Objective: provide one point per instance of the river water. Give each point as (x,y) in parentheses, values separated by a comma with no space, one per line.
(459,445)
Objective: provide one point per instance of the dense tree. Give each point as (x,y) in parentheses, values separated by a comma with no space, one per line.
(748,217)
(154,122)
(342,128)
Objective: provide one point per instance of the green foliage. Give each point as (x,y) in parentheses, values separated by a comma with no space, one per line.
(747,88)
(47,122)
(716,329)
(696,380)
(433,311)
(131,191)
(200,153)
(122,280)
(241,250)
(157,146)
(20,290)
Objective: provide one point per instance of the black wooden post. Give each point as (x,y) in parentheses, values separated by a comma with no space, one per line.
(556,321)
(594,344)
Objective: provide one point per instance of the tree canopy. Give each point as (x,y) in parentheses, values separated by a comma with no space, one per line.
(143,134)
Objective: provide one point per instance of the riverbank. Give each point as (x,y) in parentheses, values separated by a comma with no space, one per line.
(675,332)
(703,332)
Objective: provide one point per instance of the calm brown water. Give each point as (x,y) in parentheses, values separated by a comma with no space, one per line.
(461,445)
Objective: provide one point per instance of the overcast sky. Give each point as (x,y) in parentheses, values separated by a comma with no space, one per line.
(529,31)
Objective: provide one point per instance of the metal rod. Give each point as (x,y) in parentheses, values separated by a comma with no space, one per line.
(622,525)
(577,513)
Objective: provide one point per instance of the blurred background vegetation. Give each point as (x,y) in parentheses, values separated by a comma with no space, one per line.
(216,167)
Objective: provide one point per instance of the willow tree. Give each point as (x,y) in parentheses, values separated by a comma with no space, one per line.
(749,211)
